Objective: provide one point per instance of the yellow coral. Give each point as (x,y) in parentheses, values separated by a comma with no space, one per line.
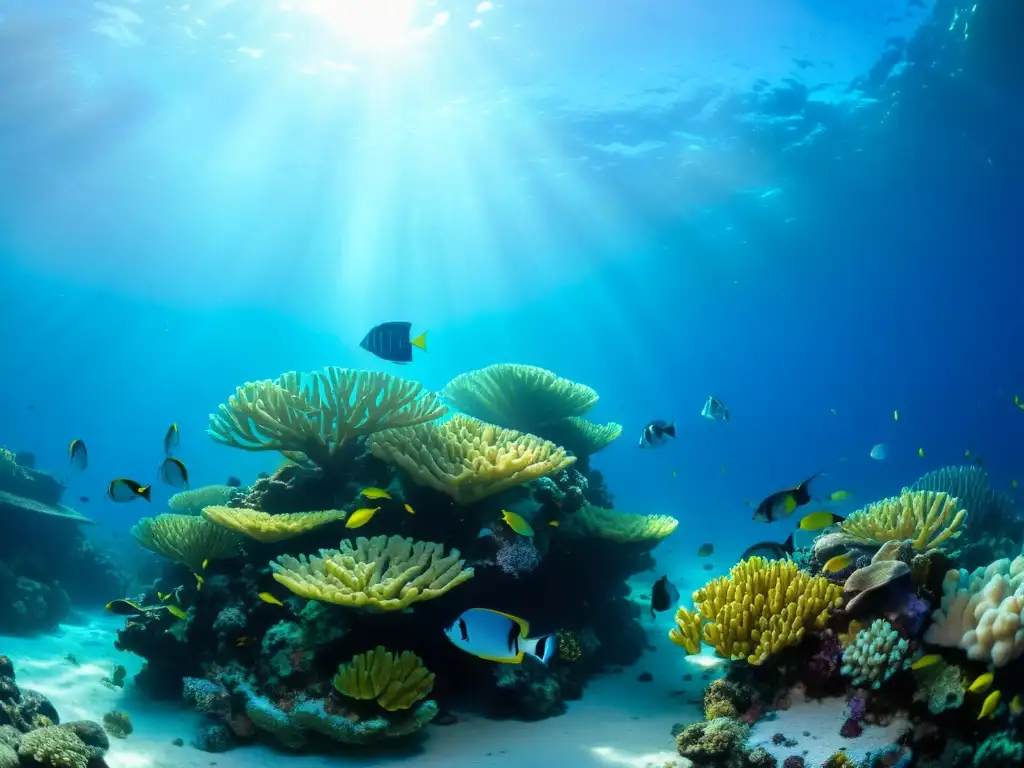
(687,631)
(522,397)
(317,414)
(466,458)
(268,528)
(596,522)
(395,681)
(186,539)
(56,747)
(579,436)
(193,501)
(763,606)
(379,573)
(925,518)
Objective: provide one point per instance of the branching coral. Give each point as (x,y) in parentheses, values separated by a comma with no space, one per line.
(687,631)
(876,654)
(268,528)
(317,414)
(379,573)
(924,518)
(981,612)
(186,539)
(970,485)
(761,607)
(468,459)
(395,681)
(192,502)
(594,522)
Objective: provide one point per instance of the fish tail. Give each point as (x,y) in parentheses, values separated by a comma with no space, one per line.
(146,491)
(787,545)
(670,430)
(420,341)
(804,485)
(541,648)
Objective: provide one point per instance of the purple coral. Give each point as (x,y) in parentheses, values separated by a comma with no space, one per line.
(856,708)
(827,660)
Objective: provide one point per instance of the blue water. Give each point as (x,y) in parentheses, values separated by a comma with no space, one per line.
(792,206)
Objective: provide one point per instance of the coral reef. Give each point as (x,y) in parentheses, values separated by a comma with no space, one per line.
(876,654)
(186,539)
(925,518)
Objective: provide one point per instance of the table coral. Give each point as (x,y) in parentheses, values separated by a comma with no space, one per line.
(925,518)
(595,522)
(267,528)
(876,654)
(186,539)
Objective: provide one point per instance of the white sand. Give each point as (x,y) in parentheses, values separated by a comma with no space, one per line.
(619,722)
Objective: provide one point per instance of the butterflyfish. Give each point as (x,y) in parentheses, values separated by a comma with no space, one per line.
(361,517)
(171,440)
(657,433)
(497,636)
(838,563)
(664,595)
(879,452)
(375,493)
(391,342)
(990,705)
(782,504)
(78,455)
(266,597)
(174,473)
(714,410)
(122,489)
(817,521)
(517,523)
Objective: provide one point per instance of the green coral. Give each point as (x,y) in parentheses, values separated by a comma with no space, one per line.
(941,685)
(999,749)
(195,500)
(719,743)
(876,654)
(725,698)
(8,757)
(118,724)
(186,539)
(56,747)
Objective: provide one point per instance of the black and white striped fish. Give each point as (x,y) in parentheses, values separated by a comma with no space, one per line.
(657,433)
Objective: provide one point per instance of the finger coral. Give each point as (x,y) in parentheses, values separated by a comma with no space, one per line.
(761,607)
(468,459)
(317,414)
(598,523)
(876,654)
(924,518)
(395,681)
(268,528)
(382,573)
(186,539)
(687,631)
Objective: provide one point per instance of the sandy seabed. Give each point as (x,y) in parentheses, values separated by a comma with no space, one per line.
(619,722)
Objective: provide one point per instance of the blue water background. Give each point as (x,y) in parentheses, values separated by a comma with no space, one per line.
(785,207)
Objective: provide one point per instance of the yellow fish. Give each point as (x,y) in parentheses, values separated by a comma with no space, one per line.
(982,683)
(176,611)
(361,517)
(990,706)
(199,581)
(1018,402)
(553,523)
(926,661)
(817,521)
(1016,706)
(839,495)
(516,523)
(243,640)
(838,563)
(920,452)
(375,493)
(410,510)
(206,562)
(895,415)
(266,597)
(1013,483)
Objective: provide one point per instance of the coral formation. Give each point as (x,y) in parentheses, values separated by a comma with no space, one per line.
(594,522)
(988,509)
(876,654)
(688,630)
(395,681)
(925,518)
(195,500)
(186,539)
(267,528)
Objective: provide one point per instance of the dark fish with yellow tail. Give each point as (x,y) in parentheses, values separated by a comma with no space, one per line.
(171,440)
(782,504)
(174,473)
(78,455)
(664,596)
(122,490)
(772,550)
(392,342)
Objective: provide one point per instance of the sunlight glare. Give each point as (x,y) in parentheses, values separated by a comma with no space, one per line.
(372,24)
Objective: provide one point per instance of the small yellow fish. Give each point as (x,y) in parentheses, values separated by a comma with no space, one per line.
(817,521)
(553,523)
(833,411)
(838,563)
(375,493)
(206,563)
(839,495)
(266,597)
(920,452)
(1016,706)
(243,640)
(361,517)
(163,598)
(706,550)
(1013,483)
(516,523)
(409,509)
(199,581)
(990,706)
(926,661)
(175,611)
(1018,402)
(981,683)
(895,415)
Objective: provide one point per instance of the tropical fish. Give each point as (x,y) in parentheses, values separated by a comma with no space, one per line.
(171,440)
(990,705)
(122,489)
(1016,706)
(361,517)
(517,523)
(895,415)
(920,452)
(714,410)
(781,504)
(85,499)
(375,493)
(981,683)
(390,341)
(125,607)
(926,661)
(266,597)
(833,411)
(1018,402)
(78,454)
(409,509)
(199,582)
(772,550)
(1013,484)
(497,636)
(657,433)
(206,563)
(838,563)
(554,523)
(243,640)
(839,495)
(664,595)
(173,472)
(176,611)
(706,550)
(163,597)
(817,521)
(879,452)
(233,482)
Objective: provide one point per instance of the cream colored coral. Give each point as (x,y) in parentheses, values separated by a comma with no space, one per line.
(193,501)
(687,631)
(317,414)
(581,437)
(466,458)
(598,523)
(763,606)
(56,747)
(982,612)
(394,680)
(186,539)
(268,528)
(514,396)
(924,518)
(380,573)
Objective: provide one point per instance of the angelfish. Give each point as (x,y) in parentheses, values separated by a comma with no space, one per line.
(782,504)
(497,636)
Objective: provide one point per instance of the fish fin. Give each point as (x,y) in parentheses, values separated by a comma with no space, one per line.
(524,625)
(670,430)
(787,545)
(420,341)
(807,482)
(517,659)
(146,491)
(541,648)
